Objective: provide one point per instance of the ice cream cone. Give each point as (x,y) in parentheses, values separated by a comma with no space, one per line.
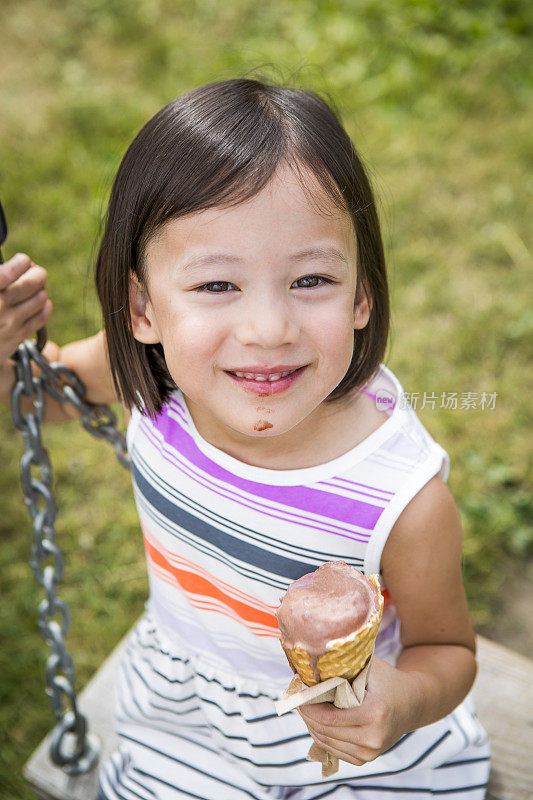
(345,657)
(333,600)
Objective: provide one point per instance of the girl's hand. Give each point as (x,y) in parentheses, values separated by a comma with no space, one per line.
(24,303)
(359,735)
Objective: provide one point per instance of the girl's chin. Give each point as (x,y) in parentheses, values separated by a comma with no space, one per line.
(265,422)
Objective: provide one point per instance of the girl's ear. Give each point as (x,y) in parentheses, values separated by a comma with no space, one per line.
(142,318)
(362,308)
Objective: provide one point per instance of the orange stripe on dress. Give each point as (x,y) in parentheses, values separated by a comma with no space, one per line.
(212,605)
(190,566)
(191,583)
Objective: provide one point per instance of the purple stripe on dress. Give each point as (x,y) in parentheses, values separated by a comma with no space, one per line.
(364,485)
(178,410)
(267,511)
(365,494)
(347,510)
(197,638)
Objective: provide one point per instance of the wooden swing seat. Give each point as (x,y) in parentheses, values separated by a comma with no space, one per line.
(503,693)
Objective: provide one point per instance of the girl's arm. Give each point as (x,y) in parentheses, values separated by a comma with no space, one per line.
(421,566)
(422,569)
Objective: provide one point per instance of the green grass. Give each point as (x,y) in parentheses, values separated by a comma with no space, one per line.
(438,99)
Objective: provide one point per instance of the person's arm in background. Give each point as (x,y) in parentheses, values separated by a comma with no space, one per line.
(24,308)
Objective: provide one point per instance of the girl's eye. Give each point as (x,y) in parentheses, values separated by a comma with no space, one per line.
(205,287)
(314,278)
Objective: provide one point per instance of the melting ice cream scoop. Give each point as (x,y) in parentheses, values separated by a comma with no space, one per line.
(327,618)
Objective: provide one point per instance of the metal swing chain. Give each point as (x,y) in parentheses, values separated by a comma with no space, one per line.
(72,747)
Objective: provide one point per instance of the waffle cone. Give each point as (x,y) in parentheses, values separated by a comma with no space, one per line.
(345,657)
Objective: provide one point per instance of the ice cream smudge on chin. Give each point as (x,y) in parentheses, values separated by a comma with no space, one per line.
(262,425)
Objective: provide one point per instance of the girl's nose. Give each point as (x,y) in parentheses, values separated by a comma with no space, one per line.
(267,323)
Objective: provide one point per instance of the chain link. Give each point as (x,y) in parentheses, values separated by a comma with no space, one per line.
(72,746)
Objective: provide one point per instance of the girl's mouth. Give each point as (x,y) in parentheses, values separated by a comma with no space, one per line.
(267,387)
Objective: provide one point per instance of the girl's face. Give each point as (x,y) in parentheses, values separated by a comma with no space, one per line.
(268,285)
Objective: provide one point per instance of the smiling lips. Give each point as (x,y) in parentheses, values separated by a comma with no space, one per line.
(267,381)
(274,376)
(258,373)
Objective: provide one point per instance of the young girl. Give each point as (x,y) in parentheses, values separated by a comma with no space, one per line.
(244,295)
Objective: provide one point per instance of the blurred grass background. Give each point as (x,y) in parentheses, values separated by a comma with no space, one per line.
(437,97)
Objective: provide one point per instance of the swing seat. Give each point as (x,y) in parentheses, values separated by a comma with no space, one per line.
(96,702)
(503,694)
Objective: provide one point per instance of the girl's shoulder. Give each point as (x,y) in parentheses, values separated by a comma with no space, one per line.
(407,436)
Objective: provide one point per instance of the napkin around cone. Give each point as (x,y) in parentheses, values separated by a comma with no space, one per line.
(337,690)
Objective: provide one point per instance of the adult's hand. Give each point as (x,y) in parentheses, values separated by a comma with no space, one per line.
(24,303)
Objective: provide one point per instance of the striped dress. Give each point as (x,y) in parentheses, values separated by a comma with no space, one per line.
(196,689)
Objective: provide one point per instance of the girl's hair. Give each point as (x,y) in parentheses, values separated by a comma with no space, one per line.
(218,145)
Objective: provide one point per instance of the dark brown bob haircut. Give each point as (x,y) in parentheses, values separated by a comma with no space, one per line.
(219,145)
